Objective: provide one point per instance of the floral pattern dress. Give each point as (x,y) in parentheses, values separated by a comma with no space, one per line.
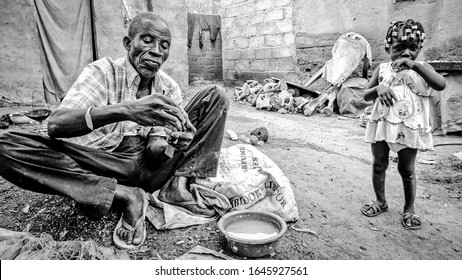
(407,121)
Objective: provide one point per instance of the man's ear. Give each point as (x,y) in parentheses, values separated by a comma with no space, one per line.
(127,43)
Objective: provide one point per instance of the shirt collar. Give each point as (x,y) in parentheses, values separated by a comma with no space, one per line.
(158,86)
(132,74)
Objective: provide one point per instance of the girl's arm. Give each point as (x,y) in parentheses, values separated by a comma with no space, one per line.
(370,93)
(433,78)
(426,71)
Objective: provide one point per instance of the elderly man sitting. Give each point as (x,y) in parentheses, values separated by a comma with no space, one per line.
(120,132)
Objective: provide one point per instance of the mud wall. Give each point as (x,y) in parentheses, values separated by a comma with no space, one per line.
(258,39)
(20,68)
(318,23)
(205,63)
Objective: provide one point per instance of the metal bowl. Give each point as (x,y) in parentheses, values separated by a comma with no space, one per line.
(249,247)
(38,114)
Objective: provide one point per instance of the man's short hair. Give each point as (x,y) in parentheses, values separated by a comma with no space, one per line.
(136,21)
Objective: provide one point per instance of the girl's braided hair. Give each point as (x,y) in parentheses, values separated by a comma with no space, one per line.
(407,28)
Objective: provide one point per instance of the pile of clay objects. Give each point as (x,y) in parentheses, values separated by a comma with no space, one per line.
(275,95)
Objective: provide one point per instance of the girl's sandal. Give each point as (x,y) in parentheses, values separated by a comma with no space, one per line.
(376,209)
(414,219)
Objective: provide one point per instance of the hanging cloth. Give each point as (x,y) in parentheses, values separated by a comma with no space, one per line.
(209,22)
(65,35)
(191,23)
(212,23)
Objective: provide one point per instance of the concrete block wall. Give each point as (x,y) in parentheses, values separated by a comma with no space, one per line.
(205,63)
(258,40)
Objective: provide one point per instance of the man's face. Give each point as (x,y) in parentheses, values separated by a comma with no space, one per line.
(409,48)
(149,48)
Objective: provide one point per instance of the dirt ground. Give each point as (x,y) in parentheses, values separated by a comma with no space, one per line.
(329,167)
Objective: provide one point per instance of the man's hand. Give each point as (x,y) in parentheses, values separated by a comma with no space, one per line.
(181,140)
(157,110)
(385,95)
(403,64)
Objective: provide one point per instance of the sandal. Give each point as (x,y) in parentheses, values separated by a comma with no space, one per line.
(121,244)
(414,219)
(376,209)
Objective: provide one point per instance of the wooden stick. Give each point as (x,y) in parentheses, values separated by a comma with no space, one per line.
(315,77)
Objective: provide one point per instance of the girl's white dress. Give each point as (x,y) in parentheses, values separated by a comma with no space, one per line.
(407,122)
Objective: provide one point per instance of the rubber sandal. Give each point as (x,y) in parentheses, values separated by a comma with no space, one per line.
(412,217)
(121,244)
(376,210)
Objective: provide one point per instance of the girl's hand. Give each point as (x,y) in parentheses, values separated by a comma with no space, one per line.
(403,64)
(385,95)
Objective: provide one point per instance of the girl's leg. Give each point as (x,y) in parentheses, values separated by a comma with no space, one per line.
(406,168)
(380,154)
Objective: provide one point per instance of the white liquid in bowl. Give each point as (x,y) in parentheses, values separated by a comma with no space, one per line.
(252,229)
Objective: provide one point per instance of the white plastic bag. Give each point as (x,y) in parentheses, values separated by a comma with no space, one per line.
(250,179)
(348,51)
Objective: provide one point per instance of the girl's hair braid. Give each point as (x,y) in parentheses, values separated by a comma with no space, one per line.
(407,28)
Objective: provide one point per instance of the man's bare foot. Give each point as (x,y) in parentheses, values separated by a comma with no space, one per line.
(131,200)
(176,192)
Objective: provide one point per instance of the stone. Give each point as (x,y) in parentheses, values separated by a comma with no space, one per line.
(232,135)
(261,133)
(253,140)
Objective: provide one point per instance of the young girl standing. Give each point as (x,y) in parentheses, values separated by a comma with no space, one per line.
(400,117)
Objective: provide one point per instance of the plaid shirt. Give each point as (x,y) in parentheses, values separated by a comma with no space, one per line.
(106,82)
